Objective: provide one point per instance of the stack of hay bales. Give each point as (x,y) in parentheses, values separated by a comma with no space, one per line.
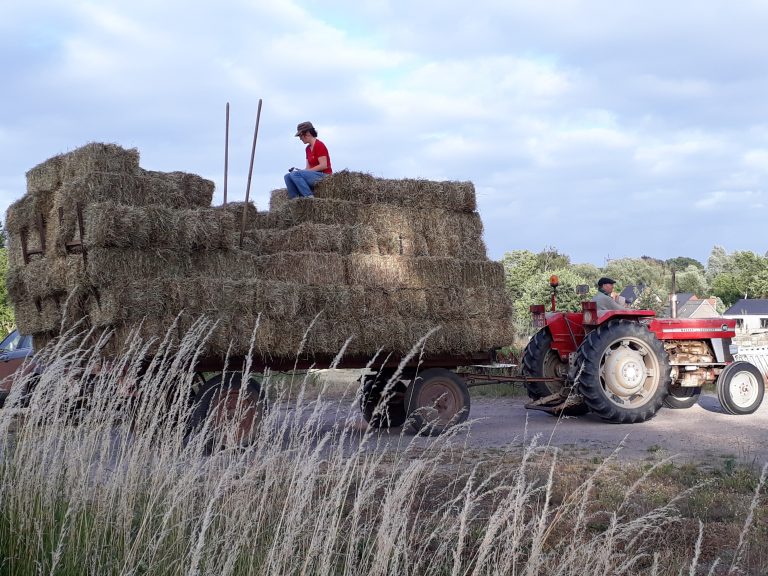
(380,261)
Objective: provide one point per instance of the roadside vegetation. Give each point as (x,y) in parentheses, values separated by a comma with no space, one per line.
(101,476)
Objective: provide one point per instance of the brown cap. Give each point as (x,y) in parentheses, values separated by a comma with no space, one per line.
(304,127)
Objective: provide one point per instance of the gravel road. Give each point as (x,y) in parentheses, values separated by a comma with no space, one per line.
(703,433)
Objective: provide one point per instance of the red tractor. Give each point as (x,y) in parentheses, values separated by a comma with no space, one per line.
(623,365)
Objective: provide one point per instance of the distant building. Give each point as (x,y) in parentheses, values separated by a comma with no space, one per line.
(631,293)
(751,315)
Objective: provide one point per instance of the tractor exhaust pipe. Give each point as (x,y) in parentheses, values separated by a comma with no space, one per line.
(673,296)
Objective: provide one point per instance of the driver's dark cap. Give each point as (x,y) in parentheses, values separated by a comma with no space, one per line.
(605,280)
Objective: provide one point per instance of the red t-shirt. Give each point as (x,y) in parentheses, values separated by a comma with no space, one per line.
(320,150)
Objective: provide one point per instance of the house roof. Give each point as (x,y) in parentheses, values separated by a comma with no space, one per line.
(683,297)
(632,292)
(747,307)
(692,306)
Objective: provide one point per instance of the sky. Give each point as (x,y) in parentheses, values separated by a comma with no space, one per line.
(602,129)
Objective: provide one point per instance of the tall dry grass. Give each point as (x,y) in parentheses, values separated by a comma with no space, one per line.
(115,485)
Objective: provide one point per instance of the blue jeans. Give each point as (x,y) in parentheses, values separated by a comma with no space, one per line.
(301,182)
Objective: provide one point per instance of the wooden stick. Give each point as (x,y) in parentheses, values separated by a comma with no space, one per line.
(250,172)
(226,154)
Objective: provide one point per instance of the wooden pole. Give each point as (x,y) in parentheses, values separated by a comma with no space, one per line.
(226,154)
(250,172)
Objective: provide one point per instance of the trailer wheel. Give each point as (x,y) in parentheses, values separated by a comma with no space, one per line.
(436,400)
(681,397)
(624,372)
(381,412)
(232,409)
(740,388)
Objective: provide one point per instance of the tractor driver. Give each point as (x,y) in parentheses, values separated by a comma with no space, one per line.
(603,297)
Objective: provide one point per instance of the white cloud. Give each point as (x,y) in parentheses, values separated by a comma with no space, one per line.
(734,201)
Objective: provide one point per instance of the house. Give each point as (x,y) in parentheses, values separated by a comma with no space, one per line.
(694,307)
(682,300)
(751,315)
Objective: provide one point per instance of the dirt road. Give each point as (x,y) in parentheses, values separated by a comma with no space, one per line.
(703,433)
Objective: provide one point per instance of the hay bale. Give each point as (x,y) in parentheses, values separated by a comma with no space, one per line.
(111,225)
(314,269)
(98,157)
(277,199)
(405,272)
(45,177)
(45,277)
(236,209)
(118,267)
(409,193)
(31,320)
(400,231)
(24,212)
(175,189)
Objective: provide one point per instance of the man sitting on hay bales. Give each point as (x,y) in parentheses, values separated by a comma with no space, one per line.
(301,182)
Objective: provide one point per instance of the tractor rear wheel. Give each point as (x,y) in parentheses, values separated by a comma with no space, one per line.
(740,388)
(540,360)
(681,397)
(436,400)
(381,412)
(624,372)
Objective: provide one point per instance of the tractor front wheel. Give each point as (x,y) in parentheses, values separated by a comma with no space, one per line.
(624,372)
(436,400)
(740,388)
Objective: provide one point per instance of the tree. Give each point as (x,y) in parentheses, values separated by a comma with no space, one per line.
(683,262)
(692,279)
(550,260)
(645,271)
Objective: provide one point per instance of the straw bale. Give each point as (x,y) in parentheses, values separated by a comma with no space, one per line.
(176,189)
(46,176)
(45,277)
(30,320)
(405,272)
(278,198)
(98,157)
(316,269)
(132,302)
(112,225)
(310,237)
(108,224)
(400,230)
(381,302)
(270,220)
(24,212)
(384,332)
(302,238)
(409,193)
(235,210)
(207,229)
(116,267)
